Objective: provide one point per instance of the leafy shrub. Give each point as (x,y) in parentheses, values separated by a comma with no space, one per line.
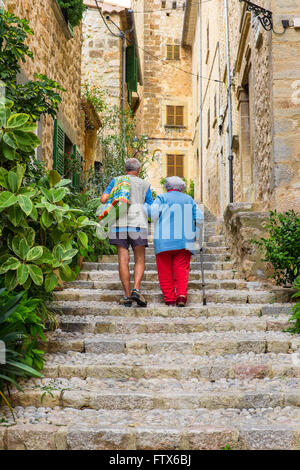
(282,248)
(12,334)
(296,309)
(74,9)
(35,97)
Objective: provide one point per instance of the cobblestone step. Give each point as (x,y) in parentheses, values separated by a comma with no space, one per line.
(151,275)
(113,266)
(167,365)
(82,308)
(212,295)
(150,258)
(209,343)
(152,285)
(158,393)
(60,429)
(100,324)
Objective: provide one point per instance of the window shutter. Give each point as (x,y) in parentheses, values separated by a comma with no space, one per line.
(179,116)
(170,165)
(175,165)
(76,176)
(131,68)
(174,115)
(170,115)
(176,53)
(169,52)
(59,148)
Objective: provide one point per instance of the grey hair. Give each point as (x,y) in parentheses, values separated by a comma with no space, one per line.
(174,182)
(132,164)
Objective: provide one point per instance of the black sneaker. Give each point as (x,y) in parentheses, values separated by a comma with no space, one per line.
(125,301)
(138,298)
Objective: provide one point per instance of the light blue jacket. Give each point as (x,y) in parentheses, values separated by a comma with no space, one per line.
(177,222)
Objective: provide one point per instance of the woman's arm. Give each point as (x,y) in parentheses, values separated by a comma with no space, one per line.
(105,195)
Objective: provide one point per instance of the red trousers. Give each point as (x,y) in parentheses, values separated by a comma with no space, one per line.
(173,273)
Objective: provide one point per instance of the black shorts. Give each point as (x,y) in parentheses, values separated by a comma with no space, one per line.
(126,239)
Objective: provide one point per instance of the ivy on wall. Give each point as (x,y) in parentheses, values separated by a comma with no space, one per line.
(74,10)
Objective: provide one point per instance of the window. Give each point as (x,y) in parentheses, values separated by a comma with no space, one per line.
(97,167)
(173,52)
(174,5)
(175,165)
(175,116)
(163,4)
(63,152)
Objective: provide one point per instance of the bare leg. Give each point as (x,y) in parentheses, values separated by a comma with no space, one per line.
(123,256)
(139,267)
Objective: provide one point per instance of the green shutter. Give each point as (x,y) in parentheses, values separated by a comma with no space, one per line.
(131,68)
(59,148)
(76,176)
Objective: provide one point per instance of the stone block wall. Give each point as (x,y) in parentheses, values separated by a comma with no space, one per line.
(166,83)
(57,55)
(242,222)
(102,53)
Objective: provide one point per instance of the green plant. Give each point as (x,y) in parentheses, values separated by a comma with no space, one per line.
(13,337)
(282,248)
(95,95)
(35,97)
(295,310)
(74,9)
(118,146)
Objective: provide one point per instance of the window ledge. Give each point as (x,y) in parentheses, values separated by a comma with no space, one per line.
(61,19)
(168,126)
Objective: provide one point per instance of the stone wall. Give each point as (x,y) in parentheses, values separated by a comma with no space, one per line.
(285,55)
(164,84)
(243,223)
(57,55)
(102,53)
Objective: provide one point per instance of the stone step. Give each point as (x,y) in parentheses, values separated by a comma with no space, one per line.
(111,394)
(153,285)
(153,276)
(171,365)
(150,258)
(82,308)
(210,343)
(212,295)
(195,265)
(194,429)
(111,324)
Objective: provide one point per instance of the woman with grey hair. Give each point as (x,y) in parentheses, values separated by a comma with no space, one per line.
(176,219)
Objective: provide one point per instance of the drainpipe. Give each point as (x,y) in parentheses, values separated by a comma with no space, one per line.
(230,155)
(200,100)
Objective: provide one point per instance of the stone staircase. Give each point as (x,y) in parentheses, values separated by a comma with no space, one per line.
(200,377)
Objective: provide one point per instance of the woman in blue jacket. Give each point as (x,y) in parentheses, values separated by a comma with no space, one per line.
(177,228)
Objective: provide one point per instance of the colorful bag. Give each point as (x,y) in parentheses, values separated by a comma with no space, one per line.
(117,203)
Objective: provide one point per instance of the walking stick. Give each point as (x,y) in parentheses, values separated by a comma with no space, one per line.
(202,277)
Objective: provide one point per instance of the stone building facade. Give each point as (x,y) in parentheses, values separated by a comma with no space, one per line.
(57,54)
(264,87)
(265,108)
(102,58)
(167,91)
